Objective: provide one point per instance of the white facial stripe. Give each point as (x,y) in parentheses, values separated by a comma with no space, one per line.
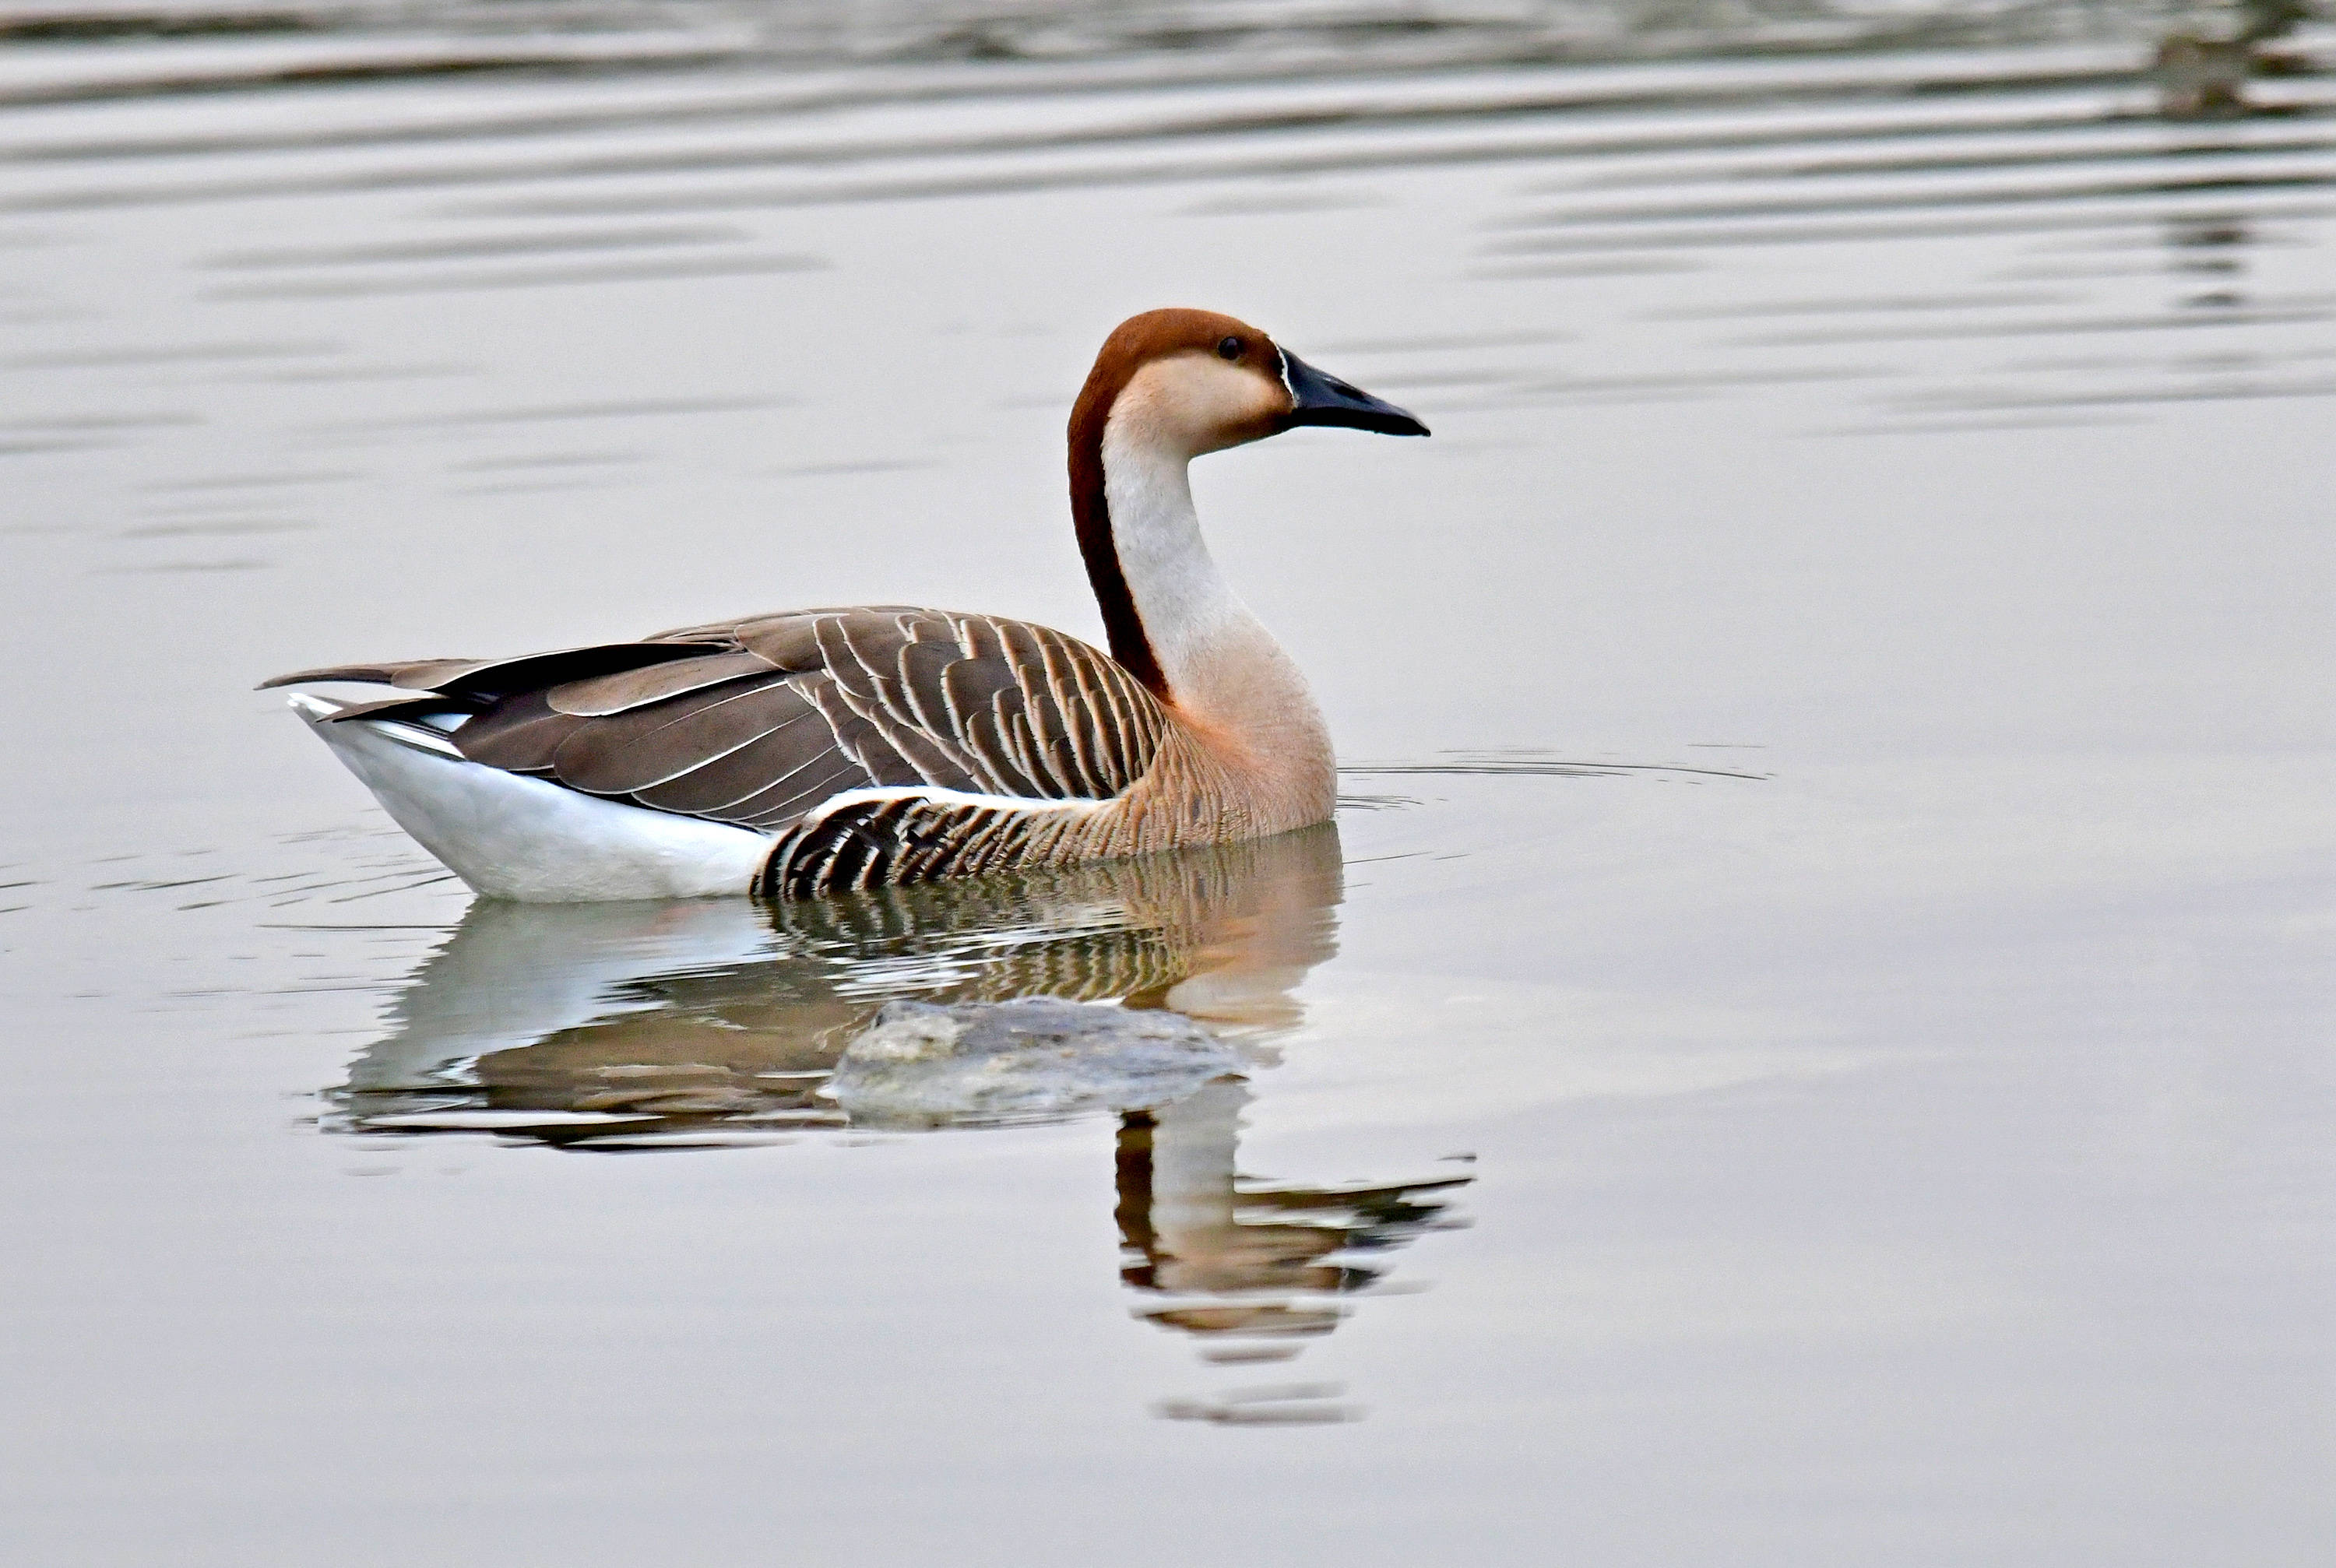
(1282,361)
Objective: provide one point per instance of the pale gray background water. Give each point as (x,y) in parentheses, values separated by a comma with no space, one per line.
(1917,1151)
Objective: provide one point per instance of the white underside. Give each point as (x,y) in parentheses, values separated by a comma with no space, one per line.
(509,836)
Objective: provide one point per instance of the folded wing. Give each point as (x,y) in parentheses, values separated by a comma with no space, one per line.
(758,722)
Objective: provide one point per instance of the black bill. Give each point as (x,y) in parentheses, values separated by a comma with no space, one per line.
(1319,399)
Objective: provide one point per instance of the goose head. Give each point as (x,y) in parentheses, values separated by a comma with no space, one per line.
(1182,383)
(1169,386)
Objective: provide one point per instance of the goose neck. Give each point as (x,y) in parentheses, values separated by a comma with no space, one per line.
(1181,600)
(1211,660)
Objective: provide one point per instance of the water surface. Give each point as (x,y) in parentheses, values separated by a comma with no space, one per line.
(1805,1045)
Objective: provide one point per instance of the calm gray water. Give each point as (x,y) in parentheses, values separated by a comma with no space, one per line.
(1808,1045)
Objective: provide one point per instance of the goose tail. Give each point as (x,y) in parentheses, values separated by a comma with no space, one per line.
(510,836)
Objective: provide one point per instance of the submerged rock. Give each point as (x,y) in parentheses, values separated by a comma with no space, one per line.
(921,1065)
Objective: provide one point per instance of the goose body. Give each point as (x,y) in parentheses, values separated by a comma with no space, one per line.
(795,753)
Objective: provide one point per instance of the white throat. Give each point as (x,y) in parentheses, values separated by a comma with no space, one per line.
(1186,605)
(1221,666)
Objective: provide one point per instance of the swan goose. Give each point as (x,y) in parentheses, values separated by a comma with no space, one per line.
(792,755)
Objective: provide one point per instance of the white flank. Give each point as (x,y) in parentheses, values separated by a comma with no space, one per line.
(509,836)
(949,797)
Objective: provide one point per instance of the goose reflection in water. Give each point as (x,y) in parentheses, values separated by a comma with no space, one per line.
(705,1023)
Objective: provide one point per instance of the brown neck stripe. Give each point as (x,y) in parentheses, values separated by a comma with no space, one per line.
(1091,513)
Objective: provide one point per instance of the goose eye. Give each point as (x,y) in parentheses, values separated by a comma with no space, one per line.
(1231,348)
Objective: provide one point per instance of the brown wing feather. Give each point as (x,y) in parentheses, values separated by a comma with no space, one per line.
(764,774)
(519,735)
(758,721)
(662,741)
(598,697)
(412,674)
